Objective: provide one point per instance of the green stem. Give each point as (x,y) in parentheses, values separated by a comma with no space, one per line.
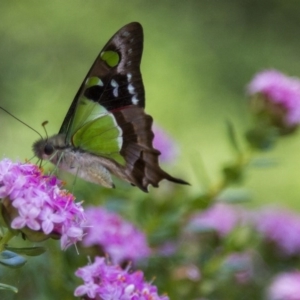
(239,164)
(6,238)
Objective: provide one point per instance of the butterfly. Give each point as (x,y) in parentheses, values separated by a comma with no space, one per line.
(106,130)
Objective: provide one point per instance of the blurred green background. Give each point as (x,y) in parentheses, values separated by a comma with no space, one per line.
(198,58)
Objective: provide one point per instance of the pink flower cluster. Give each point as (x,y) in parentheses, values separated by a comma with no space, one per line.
(285,286)
(281,227)
(104,281)
(118,238)
(279,89)
(39,202)
(221,218)
(164,143)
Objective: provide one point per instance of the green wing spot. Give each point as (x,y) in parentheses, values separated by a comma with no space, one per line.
(112,58)
(92,81)
(102,137)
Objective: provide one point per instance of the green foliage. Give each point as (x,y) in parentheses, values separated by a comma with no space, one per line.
(8,287)
(29,251)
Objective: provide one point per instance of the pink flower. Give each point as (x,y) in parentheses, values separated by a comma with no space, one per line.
(281,227)
(282,91)
(221,218)
(106,282)
(118,238)
(35,202)
(163,142)
(285,286)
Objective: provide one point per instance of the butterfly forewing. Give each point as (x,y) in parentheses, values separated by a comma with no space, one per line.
(114,80)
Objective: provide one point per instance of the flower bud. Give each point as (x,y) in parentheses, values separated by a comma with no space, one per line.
(275,100)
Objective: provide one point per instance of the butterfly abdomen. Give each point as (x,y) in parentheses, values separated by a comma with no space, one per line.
(86,166)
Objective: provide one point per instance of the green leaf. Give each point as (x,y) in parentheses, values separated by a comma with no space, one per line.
(200,202)
(29,251)
(233,173)
(201,228)
(262,138)
(231,266)
(240,238)
(263,162)
(231,133)
(11,259)
(8,287)
(232,195)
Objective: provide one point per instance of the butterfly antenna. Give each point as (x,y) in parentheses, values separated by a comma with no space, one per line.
(44,126)
(20,121)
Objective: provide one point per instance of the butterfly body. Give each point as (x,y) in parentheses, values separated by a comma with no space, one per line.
(106,130)
(92,168)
